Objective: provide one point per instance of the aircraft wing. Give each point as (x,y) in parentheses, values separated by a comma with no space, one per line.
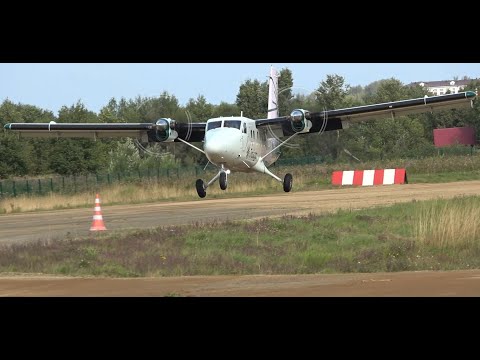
(142,131)
(281,126)
(338,119)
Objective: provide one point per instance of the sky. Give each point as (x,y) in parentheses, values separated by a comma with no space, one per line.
(51,86)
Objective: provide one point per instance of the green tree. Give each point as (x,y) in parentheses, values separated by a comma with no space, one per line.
(332,92)
(252,99)
(77,113)
(75,156)
(164,106)
(388,90)
(371,89)
(388,137)
(416,91)
(9,113)
(129,110)
(25,155)
(111,112)
(355,96)
(225,109)
(285,95)
(199,109)
(12,159)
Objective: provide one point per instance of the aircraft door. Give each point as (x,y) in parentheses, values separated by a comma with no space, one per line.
(250,147)
(244,138)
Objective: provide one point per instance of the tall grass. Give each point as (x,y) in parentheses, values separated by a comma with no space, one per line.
(370,240)
(149,190)
(449,224)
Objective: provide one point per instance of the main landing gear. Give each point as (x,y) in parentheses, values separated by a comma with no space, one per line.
(287,183)
(222,176)
(287,180)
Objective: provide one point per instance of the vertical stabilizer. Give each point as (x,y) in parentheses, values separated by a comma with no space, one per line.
(272,94)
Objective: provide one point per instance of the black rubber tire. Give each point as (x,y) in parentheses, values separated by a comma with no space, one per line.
(223,181)
(200,188)
(287,183)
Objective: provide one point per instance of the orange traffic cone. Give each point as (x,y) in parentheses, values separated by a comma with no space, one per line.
(97,217)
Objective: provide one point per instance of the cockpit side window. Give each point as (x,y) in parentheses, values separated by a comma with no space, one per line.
(232,124)
(214,125)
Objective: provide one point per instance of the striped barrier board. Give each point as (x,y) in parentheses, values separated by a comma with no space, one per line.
(370,177)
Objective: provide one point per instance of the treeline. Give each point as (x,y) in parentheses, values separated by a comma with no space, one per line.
(410,136)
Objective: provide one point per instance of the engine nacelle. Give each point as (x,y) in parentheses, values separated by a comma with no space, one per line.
(299,119)
(164,130)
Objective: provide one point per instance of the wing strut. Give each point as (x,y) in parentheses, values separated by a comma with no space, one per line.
(193,146)
(277,147)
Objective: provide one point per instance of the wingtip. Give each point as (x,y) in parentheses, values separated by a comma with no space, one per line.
(470,94)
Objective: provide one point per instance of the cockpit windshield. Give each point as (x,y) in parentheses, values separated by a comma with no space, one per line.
(232,124)
(226,124)
(214,125)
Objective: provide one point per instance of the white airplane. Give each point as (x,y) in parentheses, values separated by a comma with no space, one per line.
(243,144)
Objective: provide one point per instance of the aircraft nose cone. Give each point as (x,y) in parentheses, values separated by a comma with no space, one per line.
(216,149)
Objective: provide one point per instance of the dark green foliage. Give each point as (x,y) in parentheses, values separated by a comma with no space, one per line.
(225,109)
(332,92)
(285,94)
(252,99)
(12,157)
(199,109)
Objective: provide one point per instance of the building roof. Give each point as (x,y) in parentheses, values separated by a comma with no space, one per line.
(443,83)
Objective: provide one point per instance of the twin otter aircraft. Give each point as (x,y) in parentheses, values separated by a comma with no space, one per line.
(240,143)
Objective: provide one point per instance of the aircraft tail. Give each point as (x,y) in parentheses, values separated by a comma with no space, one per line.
(273,94)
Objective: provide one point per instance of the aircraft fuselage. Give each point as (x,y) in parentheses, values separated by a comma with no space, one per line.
(238,145)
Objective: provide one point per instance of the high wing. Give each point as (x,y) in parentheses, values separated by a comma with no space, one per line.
(144,132)
(339,119)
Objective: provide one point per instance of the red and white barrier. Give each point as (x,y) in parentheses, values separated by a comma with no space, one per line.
(370,177)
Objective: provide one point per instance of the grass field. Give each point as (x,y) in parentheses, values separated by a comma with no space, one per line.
(306,177)
(431,235)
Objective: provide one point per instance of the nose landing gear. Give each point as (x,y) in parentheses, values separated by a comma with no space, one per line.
(202,187)
(223,180)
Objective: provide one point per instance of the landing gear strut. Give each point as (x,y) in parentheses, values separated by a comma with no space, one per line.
(286,182)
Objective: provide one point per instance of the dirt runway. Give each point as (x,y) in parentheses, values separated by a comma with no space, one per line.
(47,225)
(422,283)
(56,224)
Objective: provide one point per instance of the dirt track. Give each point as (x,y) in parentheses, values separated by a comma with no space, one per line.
(56,224)
(452,283)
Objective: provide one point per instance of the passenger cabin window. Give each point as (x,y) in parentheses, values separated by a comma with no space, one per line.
(232,124)
(214,125)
